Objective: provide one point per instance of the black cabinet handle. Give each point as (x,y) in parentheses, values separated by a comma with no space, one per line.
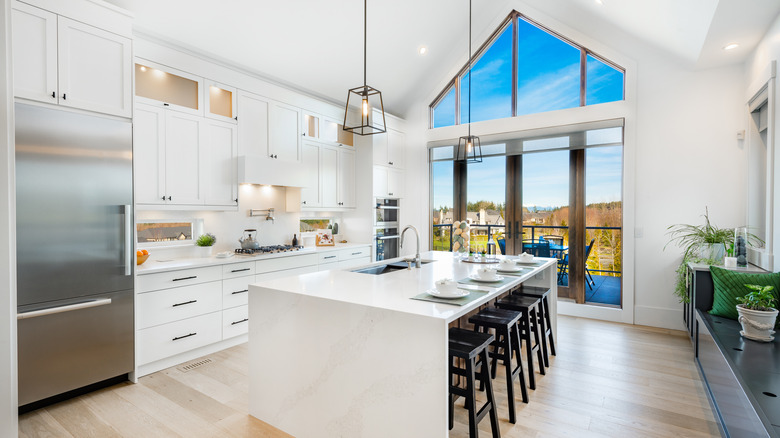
(163,198)
(330,257)
(185,278)
(240,270)
(53,95)
(391,193)
(184,303)
(64,96)
(391,163)
(239,292)
(304,202)
(185,336)
(165,104)
(357,253)
(236,118)
(169,198)
(239,322)
(236,200)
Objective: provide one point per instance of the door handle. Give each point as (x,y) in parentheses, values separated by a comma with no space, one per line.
(127,211)
(63,309)
(517,229)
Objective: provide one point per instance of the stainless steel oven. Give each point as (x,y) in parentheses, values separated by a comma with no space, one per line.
(386,212)
(386,241)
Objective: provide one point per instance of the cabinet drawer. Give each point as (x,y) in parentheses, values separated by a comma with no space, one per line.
(351,263)
(235,291)
(163,306)
(238,269)
(285,273)
(328,257)
(270,265)
(235,321)
(185,277)
(354,253)
(166,340)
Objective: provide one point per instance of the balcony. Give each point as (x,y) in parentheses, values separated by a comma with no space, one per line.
(604,262)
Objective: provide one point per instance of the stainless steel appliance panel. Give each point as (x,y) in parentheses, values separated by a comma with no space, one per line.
(387,243)
(386,212)
(73,343)
(74,204)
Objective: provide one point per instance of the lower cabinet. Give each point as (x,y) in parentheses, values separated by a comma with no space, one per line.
(170,339)
(344,258)
(235,321)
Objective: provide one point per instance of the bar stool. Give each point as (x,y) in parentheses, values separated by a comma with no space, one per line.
(544,318)
(472,347)
(529,324)
(504,322)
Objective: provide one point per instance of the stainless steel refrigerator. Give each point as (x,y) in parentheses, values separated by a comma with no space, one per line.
(75,258)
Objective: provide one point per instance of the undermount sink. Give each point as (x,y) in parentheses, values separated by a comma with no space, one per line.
(390,267)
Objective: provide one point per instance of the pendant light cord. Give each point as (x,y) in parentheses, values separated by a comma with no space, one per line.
(469,69)
(365,33)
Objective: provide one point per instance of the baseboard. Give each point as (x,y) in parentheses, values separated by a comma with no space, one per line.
(187,356)
(660,317)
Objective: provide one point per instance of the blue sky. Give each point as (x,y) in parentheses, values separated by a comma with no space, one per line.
(548,79)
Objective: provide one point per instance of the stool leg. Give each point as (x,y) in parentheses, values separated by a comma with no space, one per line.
(543,331)
(521,374)
(537,337)
(452,396)
(547,318)
(510,384)
(529,351)
(490,398)
(472,395)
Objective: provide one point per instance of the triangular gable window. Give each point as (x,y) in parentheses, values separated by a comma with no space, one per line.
(548,76)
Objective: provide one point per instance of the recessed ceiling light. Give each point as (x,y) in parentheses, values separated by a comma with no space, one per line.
(731,46)
(599,2)
(422,50)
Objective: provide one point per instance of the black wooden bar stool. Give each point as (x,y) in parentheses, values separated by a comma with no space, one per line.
(472,347)
(548,339)
(507,342)
(529,330)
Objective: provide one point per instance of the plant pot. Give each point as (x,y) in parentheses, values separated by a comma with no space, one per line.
(203,251)
(757,325)
(712,251)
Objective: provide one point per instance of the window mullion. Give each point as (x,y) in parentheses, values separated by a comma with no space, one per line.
(515,62)
(583,75)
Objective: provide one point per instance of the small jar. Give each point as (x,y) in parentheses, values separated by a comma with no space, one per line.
(740,246)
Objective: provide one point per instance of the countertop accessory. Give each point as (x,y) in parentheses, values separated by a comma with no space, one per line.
(268,213)
(325,239)
(360,119)
(248,241)
(140,259)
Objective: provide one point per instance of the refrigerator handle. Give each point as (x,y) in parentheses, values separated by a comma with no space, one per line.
(62,309)
(128,239)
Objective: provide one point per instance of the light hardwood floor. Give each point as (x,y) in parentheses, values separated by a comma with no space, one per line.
(608,380)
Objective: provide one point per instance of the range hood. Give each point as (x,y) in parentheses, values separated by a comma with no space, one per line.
(263,170)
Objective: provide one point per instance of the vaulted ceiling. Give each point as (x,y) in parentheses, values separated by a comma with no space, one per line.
(317,46)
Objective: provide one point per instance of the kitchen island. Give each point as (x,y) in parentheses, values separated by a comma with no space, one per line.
(341,353)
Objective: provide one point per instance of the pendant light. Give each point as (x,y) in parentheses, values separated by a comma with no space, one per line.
(469,146)
(361,119)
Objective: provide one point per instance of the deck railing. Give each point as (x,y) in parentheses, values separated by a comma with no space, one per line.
(485,236)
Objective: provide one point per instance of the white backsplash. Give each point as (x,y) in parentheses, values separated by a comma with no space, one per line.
(229,226)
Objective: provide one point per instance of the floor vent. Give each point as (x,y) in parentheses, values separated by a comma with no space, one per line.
(194,364)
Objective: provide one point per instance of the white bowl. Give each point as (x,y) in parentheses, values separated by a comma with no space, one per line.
(507,264)
(446,286)
(487,274)
(525,257)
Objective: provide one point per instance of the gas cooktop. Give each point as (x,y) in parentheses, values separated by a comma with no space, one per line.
(271,249)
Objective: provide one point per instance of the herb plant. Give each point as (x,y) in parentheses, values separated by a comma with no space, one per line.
(760,299)
(207,239)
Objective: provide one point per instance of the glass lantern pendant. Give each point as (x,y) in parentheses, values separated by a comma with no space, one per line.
(365,111)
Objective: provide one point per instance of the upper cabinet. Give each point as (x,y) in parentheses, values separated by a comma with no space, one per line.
(162,86)
(389,149)
(61,61)
(326,129)
(268,129)
(221,102)
(285,132)
(253,126)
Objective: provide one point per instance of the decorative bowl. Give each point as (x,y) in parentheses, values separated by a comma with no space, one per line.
(140,259)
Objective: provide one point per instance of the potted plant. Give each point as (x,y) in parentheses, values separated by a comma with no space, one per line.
(756,314)
(205,244)
(704,243)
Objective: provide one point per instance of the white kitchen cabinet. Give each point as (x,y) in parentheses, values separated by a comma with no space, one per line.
(285,132)
(183,144)
(235,321)
(344,258)
(388,183)
(35,53)
(66,62)
(149,154)
(310,161)
(162,86)
(220,164)
(346,177)
(253,124)
(389,148)
(329,176)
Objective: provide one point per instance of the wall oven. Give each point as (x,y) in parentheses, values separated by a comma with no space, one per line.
(386,232)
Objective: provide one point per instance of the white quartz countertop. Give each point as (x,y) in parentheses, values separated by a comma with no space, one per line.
(393,290)
(164,264)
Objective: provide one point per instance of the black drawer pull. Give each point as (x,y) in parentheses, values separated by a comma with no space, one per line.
(185,278)
(357,253)
(185,336)
(239,292)
(330,257)
(188,302)
(240,270)
(239,322)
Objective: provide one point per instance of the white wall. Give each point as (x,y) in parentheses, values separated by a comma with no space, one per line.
(8,394)
(681,154)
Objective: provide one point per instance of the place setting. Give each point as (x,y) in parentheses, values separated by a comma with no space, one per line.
(526,259)
(447,291)
(510,267)
(487,276)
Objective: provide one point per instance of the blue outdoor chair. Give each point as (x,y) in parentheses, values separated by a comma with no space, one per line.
(563,266)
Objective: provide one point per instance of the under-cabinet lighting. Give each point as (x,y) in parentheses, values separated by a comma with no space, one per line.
(143,68)
(730,46)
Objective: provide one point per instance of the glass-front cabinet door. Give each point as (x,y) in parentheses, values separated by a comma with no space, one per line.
(221,102)
(161,86)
